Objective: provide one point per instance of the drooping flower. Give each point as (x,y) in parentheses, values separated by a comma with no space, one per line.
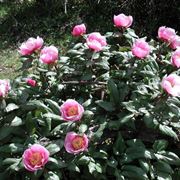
(175,59)
(122,20)
(79,30)
(96,41)
(31,45)
(49,55)
(75,143)
(31,82)
(171,84)
(166,34)
(71,110)
(35,157)
(140,48)
(4,87)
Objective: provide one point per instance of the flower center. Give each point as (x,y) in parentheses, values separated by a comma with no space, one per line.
(78,142)
(35,159)
(72,111)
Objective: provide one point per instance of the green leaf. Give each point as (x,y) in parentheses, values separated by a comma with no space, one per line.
(150,121)
(53,105)
(119,145)
(17,121)
(168,157)
(30,123)
(40,105)
(114,94)
(160,145)
(5,131)
(134,172)
(163,167)
(11,107)
(112,162)
(83,160)
(94,167)
(163,176)
(55,146)
(52,175)
(73,167)
(53,116)
(108,106)
(83,128)
(126,118)
(55,163)
(12,148)
(144,165)
(168,131)
(139,152)
(100,130)
(135,143)
(9,161)
(100,155)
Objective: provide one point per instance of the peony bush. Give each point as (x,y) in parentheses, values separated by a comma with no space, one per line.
(108,108)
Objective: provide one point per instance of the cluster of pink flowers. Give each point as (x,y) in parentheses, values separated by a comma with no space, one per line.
(37,156)
(169,36)
(171,83)
(48,55)
(4,87)
(74,143)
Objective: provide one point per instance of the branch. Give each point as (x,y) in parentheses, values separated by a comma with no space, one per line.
(85,82)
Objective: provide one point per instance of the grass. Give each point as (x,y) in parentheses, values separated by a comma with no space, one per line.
(18,23)
(9,63)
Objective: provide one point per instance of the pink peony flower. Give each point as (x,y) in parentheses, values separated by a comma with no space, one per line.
(49,55)
(175,42)
(31,45)
(166,34)
(35,157)
(4,87)
(75,143)
(79,30)
(122,20)
(95,41)
(140,48)
(71,110)
(171,84)
(175,59)
(31,82)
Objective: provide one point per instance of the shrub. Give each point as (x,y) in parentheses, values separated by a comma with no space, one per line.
(107,109)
